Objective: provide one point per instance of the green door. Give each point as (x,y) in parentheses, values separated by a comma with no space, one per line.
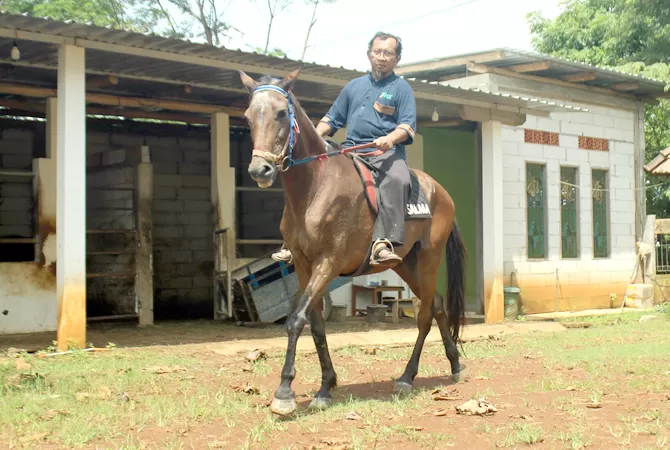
(449,157)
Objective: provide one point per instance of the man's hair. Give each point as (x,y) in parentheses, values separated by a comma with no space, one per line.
(384,36)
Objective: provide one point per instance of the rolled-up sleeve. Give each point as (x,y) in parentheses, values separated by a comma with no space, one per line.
(336,117)
(406,112)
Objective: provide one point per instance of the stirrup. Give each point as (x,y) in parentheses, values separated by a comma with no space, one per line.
(283,255)
(391,258)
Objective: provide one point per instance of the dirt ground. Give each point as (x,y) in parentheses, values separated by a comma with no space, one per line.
(606,386)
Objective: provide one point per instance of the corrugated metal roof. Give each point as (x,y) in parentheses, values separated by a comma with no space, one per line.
(559,67)
(317,81)
(659,165)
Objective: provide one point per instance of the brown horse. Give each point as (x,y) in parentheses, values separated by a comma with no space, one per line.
(328,225)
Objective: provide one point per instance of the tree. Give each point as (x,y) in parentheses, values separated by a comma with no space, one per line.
(134,15)
(275,7)
(207,14)
(312,22)
(632,36)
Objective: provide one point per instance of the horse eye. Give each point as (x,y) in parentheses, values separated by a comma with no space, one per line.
(281,114)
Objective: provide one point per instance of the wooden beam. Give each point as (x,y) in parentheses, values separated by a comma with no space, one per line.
(478,68)
(102,81)
(442,123)
(449,62)
(625,86)
(579,77)
(530,67)
(454,76)
(129,102)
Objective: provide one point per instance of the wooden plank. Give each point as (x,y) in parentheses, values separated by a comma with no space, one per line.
(531,67)
(579,77)
(450,62)
(662,226)
(625,86)
(144,270)
(479,68)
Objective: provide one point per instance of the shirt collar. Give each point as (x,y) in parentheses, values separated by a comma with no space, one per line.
(392,76)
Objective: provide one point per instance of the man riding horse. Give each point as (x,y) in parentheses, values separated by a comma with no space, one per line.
(378,107)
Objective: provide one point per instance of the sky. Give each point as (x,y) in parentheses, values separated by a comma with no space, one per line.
(428,29)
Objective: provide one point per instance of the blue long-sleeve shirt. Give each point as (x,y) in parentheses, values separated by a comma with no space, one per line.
(371,109)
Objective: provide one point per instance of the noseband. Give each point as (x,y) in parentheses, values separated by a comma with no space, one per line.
(285,159)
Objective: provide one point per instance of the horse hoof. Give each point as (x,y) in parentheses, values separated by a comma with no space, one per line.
(461,375)
(320,403)
(403,388)
(283,407)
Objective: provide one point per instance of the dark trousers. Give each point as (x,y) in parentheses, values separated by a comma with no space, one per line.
(391,173)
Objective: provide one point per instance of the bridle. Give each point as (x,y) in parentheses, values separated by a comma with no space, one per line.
(284,160)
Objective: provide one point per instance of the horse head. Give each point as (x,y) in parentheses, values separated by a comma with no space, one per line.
(272,122)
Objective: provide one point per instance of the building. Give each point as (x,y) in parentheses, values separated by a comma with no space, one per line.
(116,212)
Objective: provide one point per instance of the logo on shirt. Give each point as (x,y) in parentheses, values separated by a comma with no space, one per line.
(386,96)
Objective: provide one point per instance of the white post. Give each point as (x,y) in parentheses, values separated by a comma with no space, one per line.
(71,202)
(52,128)
(223,208)
(492,221)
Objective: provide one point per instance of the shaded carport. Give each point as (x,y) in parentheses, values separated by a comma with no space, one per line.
(118,73)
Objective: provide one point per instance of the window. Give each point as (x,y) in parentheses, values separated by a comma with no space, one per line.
(599,191)
(535,211)
(569,222)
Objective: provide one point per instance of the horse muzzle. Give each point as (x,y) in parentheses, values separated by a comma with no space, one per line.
(262,172)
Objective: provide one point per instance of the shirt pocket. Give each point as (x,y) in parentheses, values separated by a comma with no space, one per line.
(386,110)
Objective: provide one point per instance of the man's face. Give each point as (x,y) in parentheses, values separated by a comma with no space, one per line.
(382,55)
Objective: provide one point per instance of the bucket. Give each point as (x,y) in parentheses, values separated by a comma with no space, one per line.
(512,295)
(377,313)
(338,313)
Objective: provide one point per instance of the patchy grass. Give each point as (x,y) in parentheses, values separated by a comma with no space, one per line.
(604,386)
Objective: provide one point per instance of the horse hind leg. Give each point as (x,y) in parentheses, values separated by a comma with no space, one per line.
(421,280)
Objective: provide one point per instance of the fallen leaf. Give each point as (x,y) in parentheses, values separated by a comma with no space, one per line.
(124,397)
(415,428)
(255,355)
(440,412)
(449,395)
(334,441)
(520,416)
(247,389)
(351,415)
(33,437)
(594,405)
(160,370)
(479,407)
(52,413)
(481,377)
(22,365)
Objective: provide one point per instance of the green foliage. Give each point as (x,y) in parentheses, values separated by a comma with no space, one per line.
(632,36)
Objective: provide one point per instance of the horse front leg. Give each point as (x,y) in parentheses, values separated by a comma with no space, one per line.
(322,273)
(323,398)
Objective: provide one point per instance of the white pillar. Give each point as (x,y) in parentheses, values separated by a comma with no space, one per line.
(52,128)
(492,221)
(223,208)
(71,203)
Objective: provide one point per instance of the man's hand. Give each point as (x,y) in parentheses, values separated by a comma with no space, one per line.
(384,143)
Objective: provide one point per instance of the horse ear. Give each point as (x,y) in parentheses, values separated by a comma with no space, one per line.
(249,82)
(287,82)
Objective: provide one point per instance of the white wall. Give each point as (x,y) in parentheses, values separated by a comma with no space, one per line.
(584,282)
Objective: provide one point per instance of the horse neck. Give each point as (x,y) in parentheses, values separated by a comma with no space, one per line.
(301,181)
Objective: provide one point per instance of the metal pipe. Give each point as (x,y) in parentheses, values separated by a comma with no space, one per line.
(16,173)
(259,241)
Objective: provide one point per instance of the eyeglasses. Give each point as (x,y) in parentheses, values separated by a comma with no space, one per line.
(387,53)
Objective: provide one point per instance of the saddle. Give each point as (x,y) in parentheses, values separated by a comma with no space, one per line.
(417,202)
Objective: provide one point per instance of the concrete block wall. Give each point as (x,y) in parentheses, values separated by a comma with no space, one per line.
(16,193)
(584,282)
(110,180)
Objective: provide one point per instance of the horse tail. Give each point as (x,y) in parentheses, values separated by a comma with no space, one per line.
(456,255)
